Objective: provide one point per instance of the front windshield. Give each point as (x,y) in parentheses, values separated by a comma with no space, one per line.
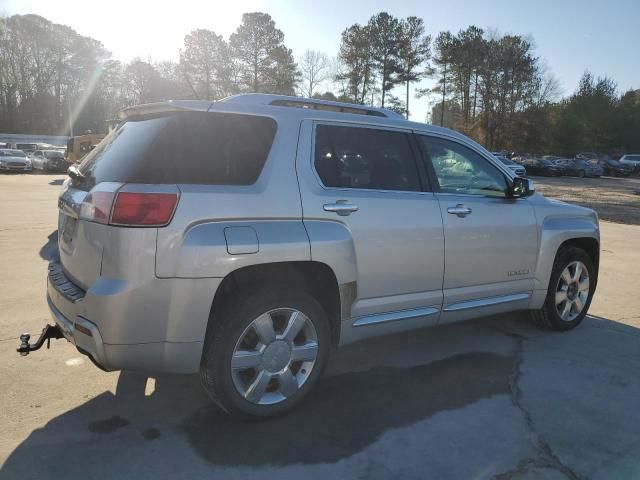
(53,154)
(12,153)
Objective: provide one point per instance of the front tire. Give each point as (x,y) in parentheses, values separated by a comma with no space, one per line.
(571,288)
(266,351)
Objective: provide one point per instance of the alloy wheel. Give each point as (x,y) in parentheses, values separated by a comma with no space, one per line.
(274,356)
(572,291)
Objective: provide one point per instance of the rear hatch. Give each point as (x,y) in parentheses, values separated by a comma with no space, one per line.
(129,184)
(121,161)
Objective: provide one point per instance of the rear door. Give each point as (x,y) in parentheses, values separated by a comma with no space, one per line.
(365,181)
(491,241)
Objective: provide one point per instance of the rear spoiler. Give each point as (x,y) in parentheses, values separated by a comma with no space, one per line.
(162,107)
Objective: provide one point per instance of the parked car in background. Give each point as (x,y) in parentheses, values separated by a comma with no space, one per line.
(49,161)
(14,160)
(590,156)
(542,166)
(615,168)
(518,169)
(27,148)
(576,167)
(631,159)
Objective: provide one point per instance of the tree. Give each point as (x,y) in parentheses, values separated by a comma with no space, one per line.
(141,82)
(261,57)
(315,69)
(356,61)
(204,62)
(395,104)
(384,35)
(414,52)
(467,56)
(444,46)
(283,75)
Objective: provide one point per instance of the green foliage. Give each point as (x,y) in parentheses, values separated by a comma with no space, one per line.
(264,63)
(205,64)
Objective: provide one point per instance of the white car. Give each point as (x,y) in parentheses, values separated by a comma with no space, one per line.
(14,160)
(631,159)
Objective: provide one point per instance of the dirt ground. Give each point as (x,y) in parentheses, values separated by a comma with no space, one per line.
(616,199)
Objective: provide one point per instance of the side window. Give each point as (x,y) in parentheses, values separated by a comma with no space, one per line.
(352,157)
(461,170)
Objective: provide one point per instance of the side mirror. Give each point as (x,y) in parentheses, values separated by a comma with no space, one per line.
(521,187)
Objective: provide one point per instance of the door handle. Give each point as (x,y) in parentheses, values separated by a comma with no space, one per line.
(460,210)
(341,207)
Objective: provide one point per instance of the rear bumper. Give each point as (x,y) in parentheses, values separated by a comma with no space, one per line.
(107,324)
(82,333)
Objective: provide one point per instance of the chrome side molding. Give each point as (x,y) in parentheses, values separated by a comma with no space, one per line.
(394,316)
(484,302)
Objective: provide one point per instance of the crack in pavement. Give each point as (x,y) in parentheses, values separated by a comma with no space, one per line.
(547,458)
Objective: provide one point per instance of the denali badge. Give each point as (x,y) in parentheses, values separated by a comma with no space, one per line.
(518,272)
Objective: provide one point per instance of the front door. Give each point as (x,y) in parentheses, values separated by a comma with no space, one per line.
(491,241)
(362,185)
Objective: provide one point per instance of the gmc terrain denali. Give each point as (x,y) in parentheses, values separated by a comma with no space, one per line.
(243,238)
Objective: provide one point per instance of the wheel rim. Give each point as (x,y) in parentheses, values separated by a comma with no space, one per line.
(572,291)
(274,356)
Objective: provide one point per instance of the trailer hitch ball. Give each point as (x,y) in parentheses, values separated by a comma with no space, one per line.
(24,345)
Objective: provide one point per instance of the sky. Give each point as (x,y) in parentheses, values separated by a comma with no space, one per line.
(571,36)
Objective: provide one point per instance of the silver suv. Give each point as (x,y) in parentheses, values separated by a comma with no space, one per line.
(244,238)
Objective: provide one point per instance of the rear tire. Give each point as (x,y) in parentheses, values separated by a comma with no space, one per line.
(265,351)
(571,288)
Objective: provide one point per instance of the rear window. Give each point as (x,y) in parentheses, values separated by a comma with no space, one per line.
(183,147)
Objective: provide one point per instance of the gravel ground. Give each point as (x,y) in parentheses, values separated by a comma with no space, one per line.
(615,199)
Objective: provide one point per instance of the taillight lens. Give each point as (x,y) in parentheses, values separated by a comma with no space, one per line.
(130,209)
(96,207)
(143,209)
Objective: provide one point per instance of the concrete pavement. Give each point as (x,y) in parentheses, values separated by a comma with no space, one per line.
(495,398)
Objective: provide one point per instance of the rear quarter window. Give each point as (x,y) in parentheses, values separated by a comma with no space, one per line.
(183,147)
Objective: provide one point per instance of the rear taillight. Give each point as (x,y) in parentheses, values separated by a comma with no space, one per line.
(96,206)
(143,209)
(130,209)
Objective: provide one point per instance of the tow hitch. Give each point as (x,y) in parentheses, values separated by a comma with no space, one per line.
(48,332)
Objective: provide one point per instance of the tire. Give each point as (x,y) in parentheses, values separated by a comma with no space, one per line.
(236,329)
(550,316)
(581,174)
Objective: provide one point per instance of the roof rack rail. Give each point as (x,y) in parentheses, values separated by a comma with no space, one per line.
(328,106)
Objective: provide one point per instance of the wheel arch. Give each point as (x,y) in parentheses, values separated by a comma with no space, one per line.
(314,277)
(561,232)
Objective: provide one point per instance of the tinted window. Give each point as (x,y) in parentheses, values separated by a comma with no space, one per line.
(461,170)
(185,147)
(351,157)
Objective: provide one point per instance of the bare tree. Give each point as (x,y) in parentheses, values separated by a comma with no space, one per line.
(315,69)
